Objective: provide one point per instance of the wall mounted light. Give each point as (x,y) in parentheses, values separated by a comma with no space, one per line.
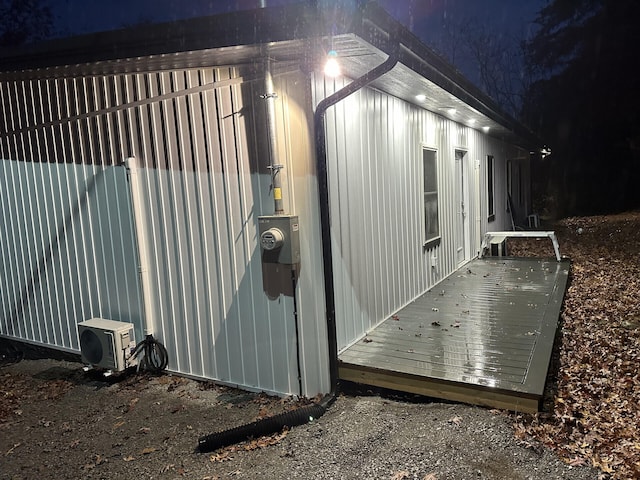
(451,111)
(332,67)
(545,152)
(486,128)
(421,97)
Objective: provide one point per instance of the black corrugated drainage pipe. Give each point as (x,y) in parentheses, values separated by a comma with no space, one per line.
(304,415)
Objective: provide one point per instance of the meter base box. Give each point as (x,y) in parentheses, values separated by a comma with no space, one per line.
(288,252)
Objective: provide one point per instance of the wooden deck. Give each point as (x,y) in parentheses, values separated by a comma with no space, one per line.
(483,336)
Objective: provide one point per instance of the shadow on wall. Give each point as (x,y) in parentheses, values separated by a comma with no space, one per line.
(83,266)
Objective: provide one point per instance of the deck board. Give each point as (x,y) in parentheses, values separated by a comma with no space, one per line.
(484,335)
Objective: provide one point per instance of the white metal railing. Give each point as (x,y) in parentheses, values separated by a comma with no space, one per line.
(496,238)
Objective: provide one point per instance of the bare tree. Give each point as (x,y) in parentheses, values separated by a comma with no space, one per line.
(493,61)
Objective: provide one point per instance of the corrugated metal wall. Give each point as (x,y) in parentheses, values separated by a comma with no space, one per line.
(204,180)
(375,144)
(66,240)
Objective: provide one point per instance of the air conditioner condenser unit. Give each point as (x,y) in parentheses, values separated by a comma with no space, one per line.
(106,343)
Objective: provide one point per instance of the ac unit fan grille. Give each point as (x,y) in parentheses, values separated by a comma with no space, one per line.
(91,347)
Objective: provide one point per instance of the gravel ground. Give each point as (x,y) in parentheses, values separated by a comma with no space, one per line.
(58,422)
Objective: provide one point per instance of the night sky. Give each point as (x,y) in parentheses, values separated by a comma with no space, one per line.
(423,17)
(511,19)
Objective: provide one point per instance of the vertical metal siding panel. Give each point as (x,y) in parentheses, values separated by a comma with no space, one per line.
(217,365)
(108,194)
(36,275)
(170,309)
(223,250)
(250,251)
(200,257)
(272,369)
(368,238)
(122,246)
(188,304)
(24,253)
(90,203)
(75,237)
(153,152)
(5,287)
(13,242)
(341,181)
(9,292)
(371,205)
(355,239)
(48,287)
(380,128)
(298,128)
(31,228)
(230,161)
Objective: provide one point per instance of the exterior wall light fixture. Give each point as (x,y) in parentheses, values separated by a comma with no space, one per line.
(332,67)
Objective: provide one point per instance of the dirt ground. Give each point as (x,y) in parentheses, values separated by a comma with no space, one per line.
(57,421)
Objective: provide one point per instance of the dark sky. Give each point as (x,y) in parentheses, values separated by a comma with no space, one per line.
(511,19)
(423,17)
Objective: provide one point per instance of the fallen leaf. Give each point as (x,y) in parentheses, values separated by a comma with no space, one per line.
(455,420)
(148,450)
(430,476)
(367,340)
(223,456)
(400,475)
(435,324)
(577,462)
(129,459)
(132,403)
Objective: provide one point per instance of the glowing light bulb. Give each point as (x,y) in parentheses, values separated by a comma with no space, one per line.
(332,67)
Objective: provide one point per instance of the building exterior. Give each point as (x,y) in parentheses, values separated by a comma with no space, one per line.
(136,164)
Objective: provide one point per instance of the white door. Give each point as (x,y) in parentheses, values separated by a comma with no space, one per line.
(462,201)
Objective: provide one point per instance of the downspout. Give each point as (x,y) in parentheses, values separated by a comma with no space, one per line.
(325,220)
(307,414)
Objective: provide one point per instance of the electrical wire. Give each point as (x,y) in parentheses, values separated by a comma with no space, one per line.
(154,355)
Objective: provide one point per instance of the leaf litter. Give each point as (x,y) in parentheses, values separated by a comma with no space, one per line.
(592,412)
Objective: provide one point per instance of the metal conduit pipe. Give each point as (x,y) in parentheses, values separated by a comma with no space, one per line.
(269,97)
(140,233)
(304,415)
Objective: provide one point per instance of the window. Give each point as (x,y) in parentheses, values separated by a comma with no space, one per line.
(431,228)
(490,196)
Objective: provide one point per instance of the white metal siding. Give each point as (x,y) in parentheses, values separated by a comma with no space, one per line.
(375,144)
(204,180)
(66,240)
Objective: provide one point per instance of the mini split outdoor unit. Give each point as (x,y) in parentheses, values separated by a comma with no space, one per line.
(106,343)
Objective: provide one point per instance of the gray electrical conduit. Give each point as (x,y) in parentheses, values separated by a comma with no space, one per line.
(307,414)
